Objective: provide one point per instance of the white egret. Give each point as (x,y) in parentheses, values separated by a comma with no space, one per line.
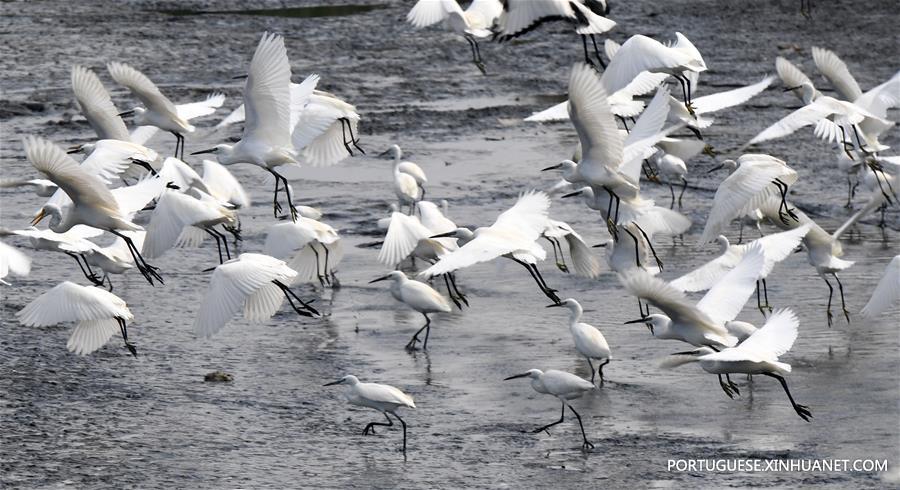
(72,243)
(114,258)
(93,204)
(409,178)
(266,141)
(709,104)
(12,261)
(182,220)
(97,106)
(41,187)
(587,16)
(384,398)
(758,354)
(754,178)
(254,283)
(474,22)
(310,247)
(589,341)
(564,386)
(777,247)
(887,292)
(186,111)
(418,296)
(158,110)
(670,161)
(641,53)
(513,235)
(583,261)
(223,186)
(99,313)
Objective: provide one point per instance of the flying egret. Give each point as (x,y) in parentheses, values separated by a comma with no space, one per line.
(73,243)
(114,258)
(753,178)
(99,313)
(12,261)
(254,283)
(564,386)
(709,104)
(887,292)
(670,161)
(756,355)
(513,235)
(223,186)
(384,398)
(641,53)
(474,22)
(583,261)
(310,247)
(587,16)
(266,141)
(589,341)
(158,110)
(777,247)
(93,204)
(97,106)
(418,296)
(182,220)
(41,187)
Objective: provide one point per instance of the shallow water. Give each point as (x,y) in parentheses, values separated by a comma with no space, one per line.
(111,420)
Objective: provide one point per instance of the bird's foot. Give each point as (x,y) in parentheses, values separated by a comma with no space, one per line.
(587,446)
(830,318)
(734,388)
(612,229)
(846,314)
(411,345)
(131,348)
(709,151)
(690,108)
(456,302)
(481,68)
(562,267)
(726,389)
(294,212)
(335,283)
(803,412)
(462,297)
(276,207)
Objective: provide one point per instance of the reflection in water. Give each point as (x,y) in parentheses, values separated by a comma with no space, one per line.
(317,11)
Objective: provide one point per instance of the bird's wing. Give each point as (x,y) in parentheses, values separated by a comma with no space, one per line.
(775,338)
(790,75)
(142,134)
(97,106)
(747,188)
(13,261)
(559,112)
(671,301)
(802,117)
(484,247)
(644,83)
(403,235)
(181,174)
(267,94)
(583,261)
(520,16)
(173,212)
(328,148)
(837,73)
(705,276)
(301,97)
(90,335)
(481,13)
(589,111)
(223,185)
(727,297)
(142,88)
(528,216)
(263,303)
(429,12)
(433,219)
(639,54)
(285,239)
(881,98)
(610,48)
(236,116)
(685,149)
(112,157)
(385,394)
(887,292)
(730,98)
(134,198)
(231,284)
(199,109)
(779,246)
(68,301)
(649,127)
(81,186)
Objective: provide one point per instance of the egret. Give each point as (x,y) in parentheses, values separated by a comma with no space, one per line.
(266,141)
(887,292)
(99,313)
(513,235)
(114,258)
(671,160)
(753,179)
(641,53)
(587,16)
(776,247)
(589,342)
(409,178)
(158,110)
(182,220)
(418,296)
(564,386)
(384,398)
(97,106)
(12,261)
(93,204)
(583,261)
(254,283)
(41,187)
(73,243)
(473,23)
(709,104)
(756,355)
(310,247)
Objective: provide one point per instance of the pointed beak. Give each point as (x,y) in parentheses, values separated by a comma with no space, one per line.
(37,219)
(333,383)
(788,89)
(686,353)
(554,305)
(126,113)
(240,77)
(552,167)
(379,279)
(384,153)
(517,376)
(717,167)
(211,150)
(572,194)
(444,235)
(639,320)
(73,149)
(599,245)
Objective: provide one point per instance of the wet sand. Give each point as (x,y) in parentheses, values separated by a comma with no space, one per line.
(111,420)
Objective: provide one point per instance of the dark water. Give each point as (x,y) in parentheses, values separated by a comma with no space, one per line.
(111,420)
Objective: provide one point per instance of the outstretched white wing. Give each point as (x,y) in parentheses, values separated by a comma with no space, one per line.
(834,69)
(730,98)
(97,106)
(67,302)
(790,75)
(590,112)
(206,107)
(173,212)
(267,95)
(887,292)
(775,338)
(429,12)
(401,239)
(223,185)
(142,88)
(13,261)
(727,297)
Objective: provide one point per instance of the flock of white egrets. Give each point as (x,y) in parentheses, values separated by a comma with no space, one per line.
(288,124)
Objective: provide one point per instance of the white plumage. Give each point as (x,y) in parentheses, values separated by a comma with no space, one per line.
(12,261)
(887,292)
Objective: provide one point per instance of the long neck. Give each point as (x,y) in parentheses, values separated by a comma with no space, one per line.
(57,224)
(575,312)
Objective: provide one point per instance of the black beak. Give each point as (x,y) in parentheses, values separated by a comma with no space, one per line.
(718,167)
(74,149)
(445,235)
(554,305)
(126,113)
(384,153)
(517,376)
(333,382)
(599,245)
(171,185)
(211,150)
(240,77)
(379,279)
(687,353)
(572,194)
(639,320)
(552,167)
(788,89)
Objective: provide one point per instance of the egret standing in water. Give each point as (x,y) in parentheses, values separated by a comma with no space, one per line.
(409,179)
(563,386)
(418,296)
(384,398)
(589,342)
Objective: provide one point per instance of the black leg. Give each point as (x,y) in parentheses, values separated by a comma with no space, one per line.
(276,206)
(650,245)
(415,338)
(307,309)
(802,410)
(684,185)
(476,55)
(637,249)
(218,245)
(600,368)
(766,295)
(562,417)
(460,295)
(370,427)
(404,430)
(841,290)
(672,191)
(732,385)
(148,271)
(353,138)
(830,294)
(726,388)
(124,329)
(319,275)
(550,292)
(587,445)
(592,369)
(450,291)
(759,305)
(90,276)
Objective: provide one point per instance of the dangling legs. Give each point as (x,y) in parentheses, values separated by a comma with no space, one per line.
(802,410)
(218,245)
(460,295)
(684,185)
(830,294)
(841,290)
(307,310)
(476,54)
(124,329)
(147,270)
(597,52)
(649,244)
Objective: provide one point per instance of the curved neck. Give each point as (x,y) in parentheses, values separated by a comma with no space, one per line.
(575,312)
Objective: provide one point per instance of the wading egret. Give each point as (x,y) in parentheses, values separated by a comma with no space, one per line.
(418,296)
(589,341)
(384,398)
(564,386)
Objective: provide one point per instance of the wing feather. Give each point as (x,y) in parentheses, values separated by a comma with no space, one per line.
(97,106)
(887,292)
